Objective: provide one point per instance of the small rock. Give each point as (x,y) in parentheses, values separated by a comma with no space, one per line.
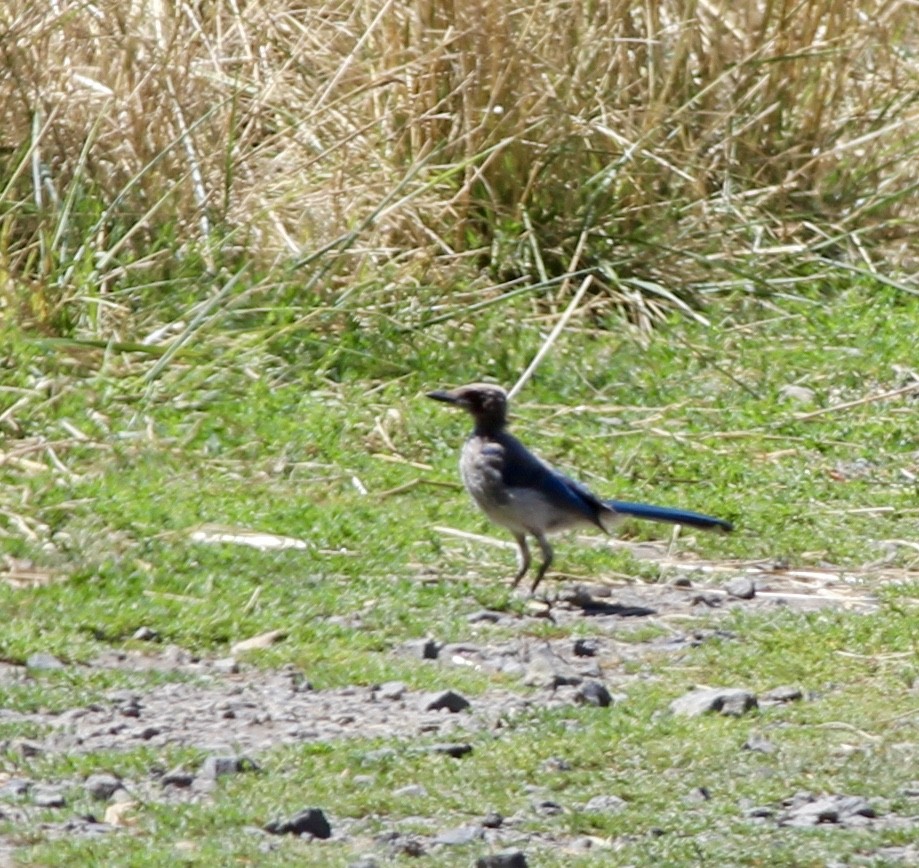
(711,601)
(364,862)
(743,588)
(492,820)
(505,859)
(547,669)
(460,836)
(485,615)
(145,733)
(805,809)
(410,791)
(682,582)
(548,808)
(43,662)
(311,821)
(380,755)
(391,690)
(605,805)
(226,665)
(445,699)
(27,748)
(48,797)
(698,794)
(217,766)
(759,744)
(785,693)
(178,777)
(454,749)
(727,700)
(426,649)
(15,788)
(145,634)
(593,693)
(586,647)
(101,786)
(556,764)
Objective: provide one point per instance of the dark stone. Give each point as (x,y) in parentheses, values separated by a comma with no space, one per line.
(586,647)
(506,859)
(492,820)
(101,786)
(426,649)
(457,749)
(485,615)
(593,693)
(311,821)
(177,778)
(445,699)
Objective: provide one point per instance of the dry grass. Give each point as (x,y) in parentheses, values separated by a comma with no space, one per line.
(684,143)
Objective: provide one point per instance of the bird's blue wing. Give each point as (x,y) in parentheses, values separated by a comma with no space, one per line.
(522,469)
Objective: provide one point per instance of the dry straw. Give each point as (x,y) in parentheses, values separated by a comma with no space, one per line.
(690,142)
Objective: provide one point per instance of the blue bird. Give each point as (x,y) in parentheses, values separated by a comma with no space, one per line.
(524,494)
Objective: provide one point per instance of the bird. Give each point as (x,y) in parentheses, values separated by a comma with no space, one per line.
(526,495)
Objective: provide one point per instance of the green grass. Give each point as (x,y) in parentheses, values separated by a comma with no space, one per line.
(693,417)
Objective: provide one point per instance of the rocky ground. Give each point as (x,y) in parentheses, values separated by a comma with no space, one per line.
(234,713)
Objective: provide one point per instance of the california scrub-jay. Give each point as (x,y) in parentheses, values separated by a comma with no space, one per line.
(523,493)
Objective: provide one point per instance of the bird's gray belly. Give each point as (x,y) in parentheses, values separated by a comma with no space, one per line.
(519,509)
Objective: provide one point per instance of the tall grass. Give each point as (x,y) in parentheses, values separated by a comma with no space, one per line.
(671,147)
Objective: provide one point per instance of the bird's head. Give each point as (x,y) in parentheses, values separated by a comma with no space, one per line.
(487,404)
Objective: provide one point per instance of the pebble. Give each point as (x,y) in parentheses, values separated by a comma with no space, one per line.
(391,690)
(101,786)
(593,693)
(732,701)
(605,805)
(48,797)
(459,836)
(586,647)
(43,662)
(742,588)
(218,766)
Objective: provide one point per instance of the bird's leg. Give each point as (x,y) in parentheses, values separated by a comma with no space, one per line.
(523,558)
(546,559)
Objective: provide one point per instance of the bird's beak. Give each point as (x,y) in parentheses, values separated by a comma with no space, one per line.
(446,397)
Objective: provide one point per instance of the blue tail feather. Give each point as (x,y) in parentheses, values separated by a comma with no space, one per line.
(671,516)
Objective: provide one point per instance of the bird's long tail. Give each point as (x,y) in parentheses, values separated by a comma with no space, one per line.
(670,516)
